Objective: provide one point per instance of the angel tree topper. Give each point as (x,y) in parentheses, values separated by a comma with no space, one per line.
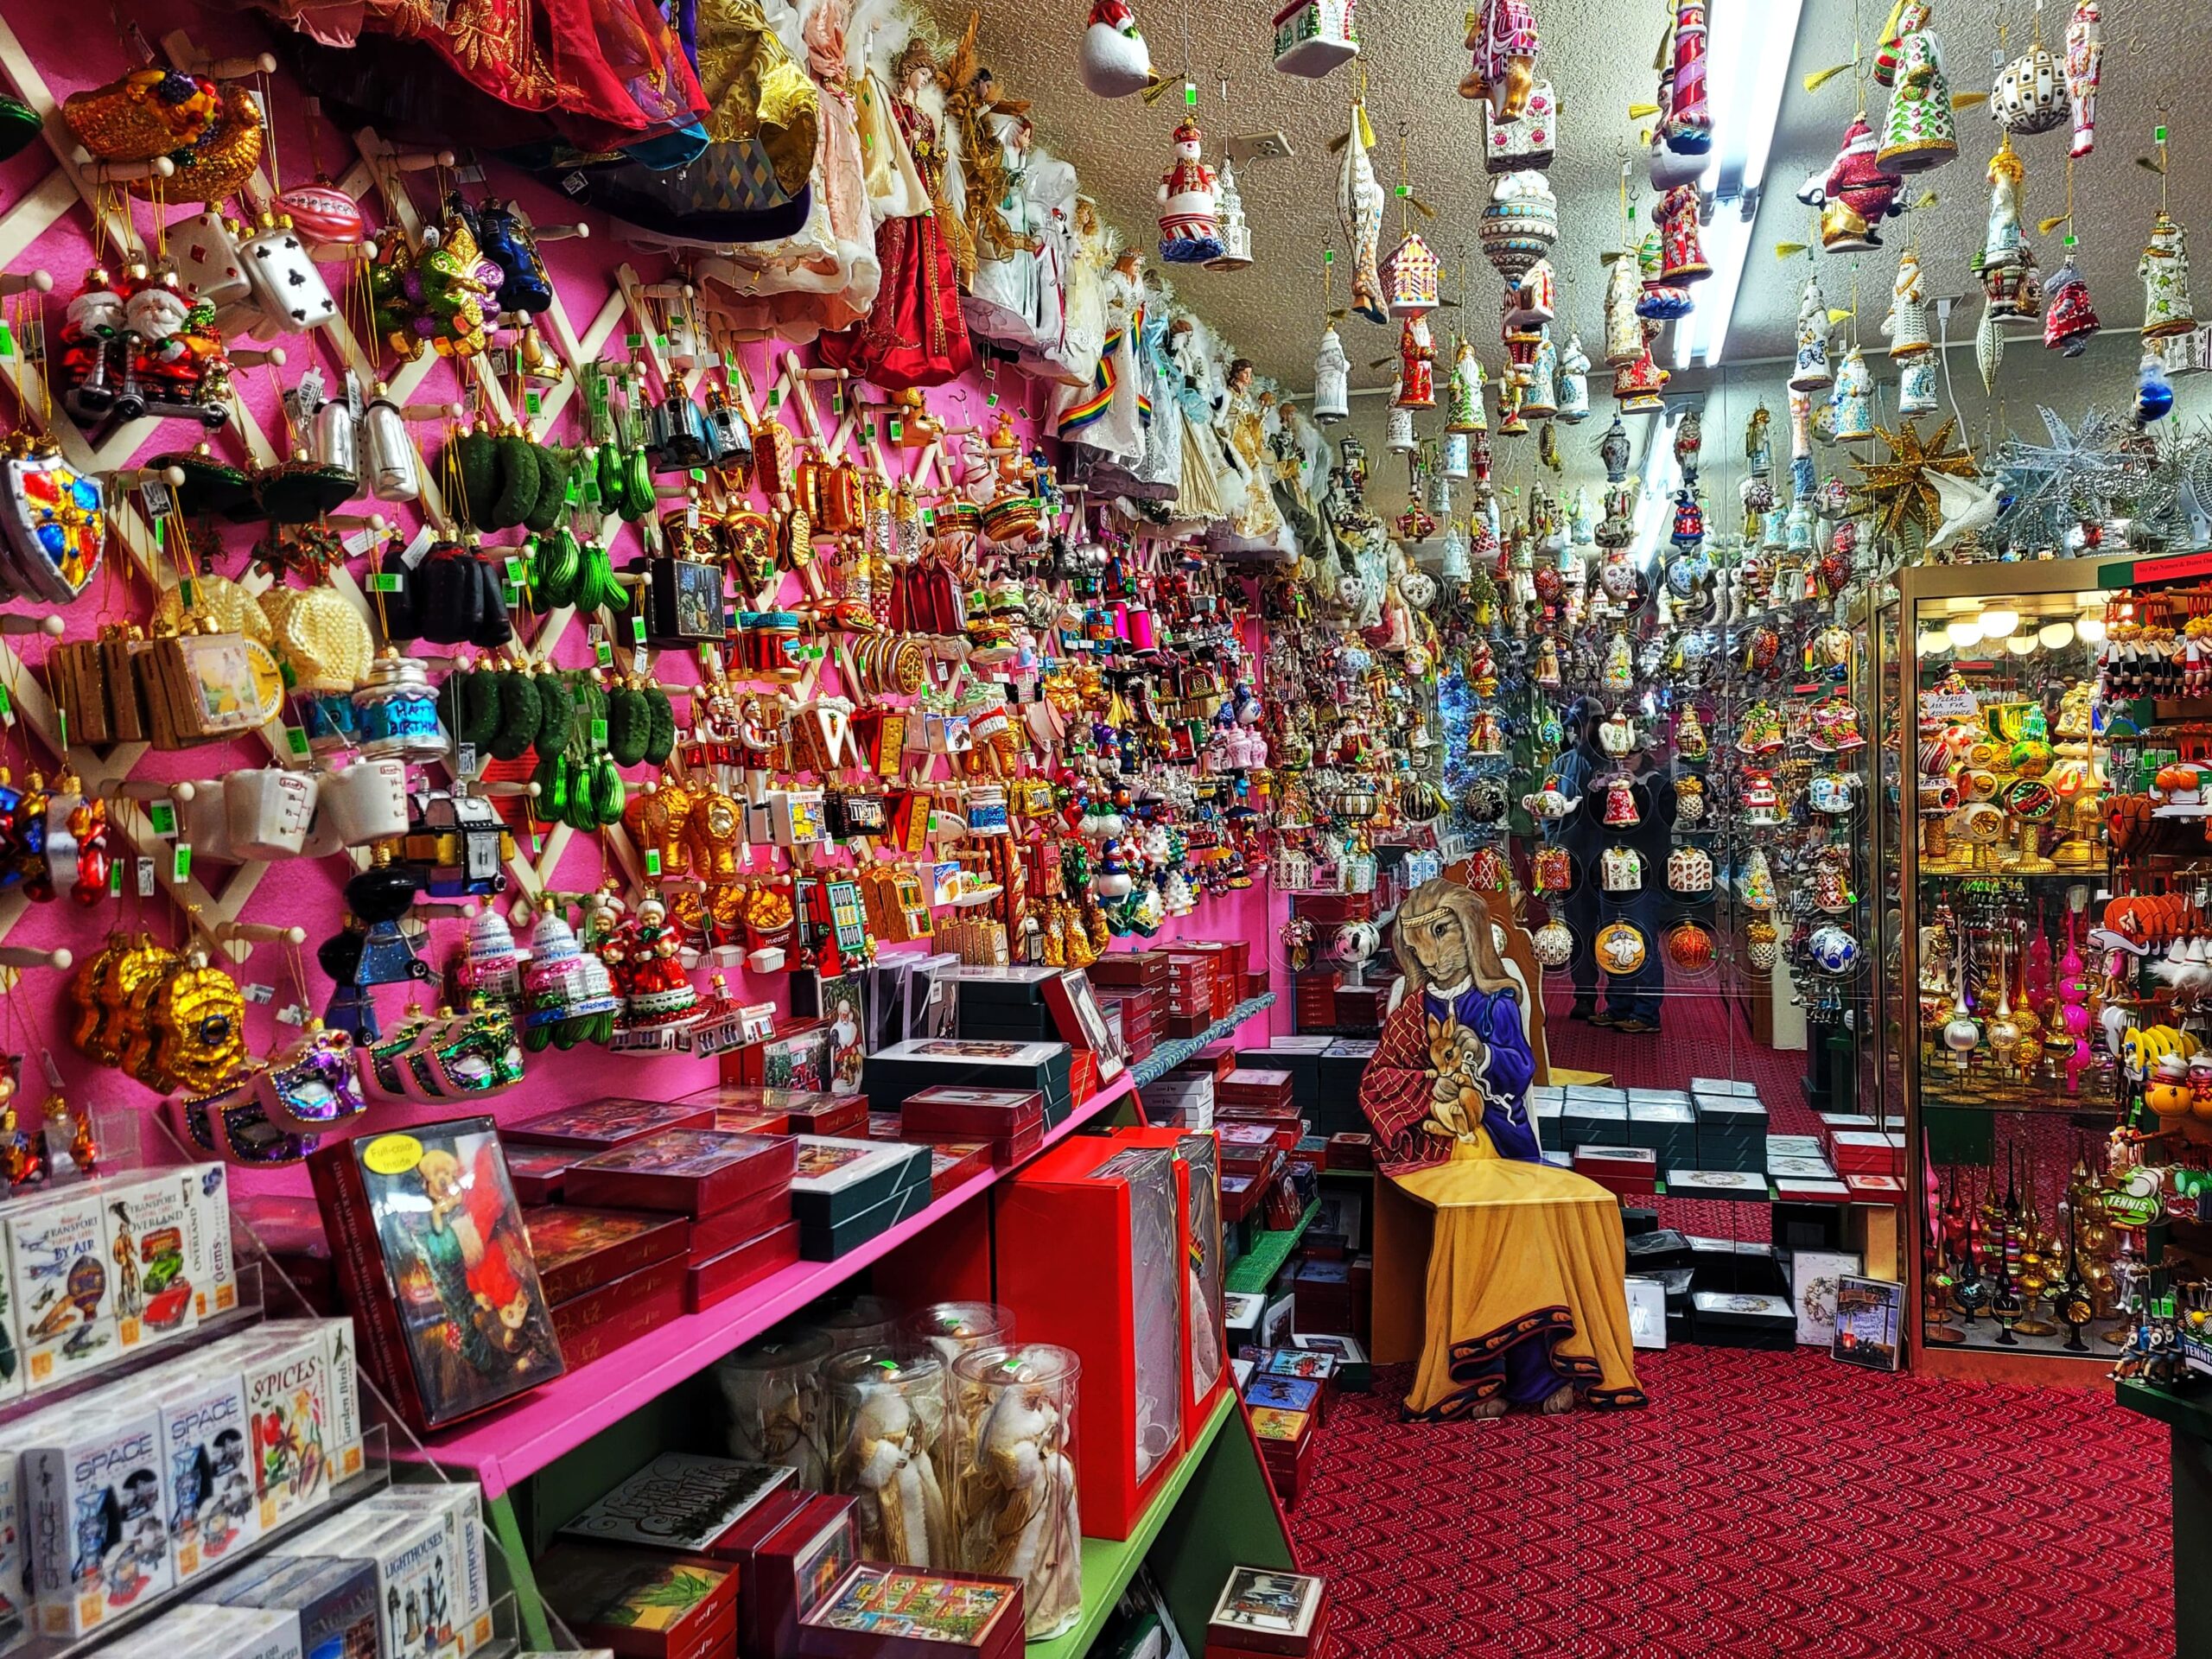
(1187,193)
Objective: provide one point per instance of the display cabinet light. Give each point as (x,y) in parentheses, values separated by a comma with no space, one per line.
(1964,634)
(2090,625)
(1931,643)
(1999,622)
(2056,636)
(2021,645)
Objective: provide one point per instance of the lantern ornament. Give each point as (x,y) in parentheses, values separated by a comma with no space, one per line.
(1412,276)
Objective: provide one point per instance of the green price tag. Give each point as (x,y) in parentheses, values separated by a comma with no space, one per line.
(1189,95)
(295,740)
(115,879)
(652,861)
(161,527)
(531,404)
(181,864)
(7,704)
(384,581)
(929,517)
(511,593)
(284,673)
(838,401)
(162,815)
(633,341)
(775,396)
(184,589)
(698,475)
(599,734)
(7,342)
(867,431)
(514,569)
(898,430)
(990,400)
(660,342)
(2159,135)
(638,629)
(603,654)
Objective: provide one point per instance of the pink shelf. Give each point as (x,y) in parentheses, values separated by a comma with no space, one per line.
(505,1447)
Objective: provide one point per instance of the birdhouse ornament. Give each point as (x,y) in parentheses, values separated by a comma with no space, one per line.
(1189,234)
(1686,118)
(1313,36)
(1502,34)
(1466,408)
(1114,60)
(2164,270)
(1920,132)
(1235,235)
(1854,195)
(1331,380)
(2085,55)
(1411,277)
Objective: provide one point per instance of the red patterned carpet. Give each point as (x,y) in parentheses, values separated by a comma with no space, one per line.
(1763,1503)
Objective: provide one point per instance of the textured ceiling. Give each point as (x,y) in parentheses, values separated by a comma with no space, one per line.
(1599,56)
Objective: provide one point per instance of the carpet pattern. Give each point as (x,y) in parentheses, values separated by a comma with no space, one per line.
(1762,1503)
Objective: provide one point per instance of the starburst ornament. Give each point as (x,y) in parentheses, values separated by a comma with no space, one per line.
(2080,477)
(1897,491)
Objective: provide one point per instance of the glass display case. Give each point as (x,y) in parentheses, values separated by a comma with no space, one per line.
(2000,863)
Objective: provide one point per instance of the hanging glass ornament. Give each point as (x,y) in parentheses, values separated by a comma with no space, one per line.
(1520,223)
(1811,373)
(1853,400)
(2164,270)
(1114,58)
(2085,53)
(2070,321)
(1530,139)
(1854,195)
(1453,463)
(1467,414)
(1661,301)
(1416,365)
(1412,276)
(1918,385)
(1331,380)
(1624,329)
(1313,36)
(1921,132)
(1574,383)
(2030,93)
(1685,120)
(1502,36)
(1398,436)
(1188,189)
(1359,209)
(1235,235)
(2154,392)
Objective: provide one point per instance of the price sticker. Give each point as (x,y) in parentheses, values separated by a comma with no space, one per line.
(640,662)
(162,816)
(181,864)
(296,740)
(466,760)
(256,992)
(638,629)
(599,734)
(603,653)
(384,581)
(652,861)
(145,878)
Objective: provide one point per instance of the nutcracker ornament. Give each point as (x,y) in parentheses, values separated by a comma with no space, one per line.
(1921,133)
(2069,321)
(1686,118)
(1114,58)
(2085,53)
(1854,195)
(1188,192)
(1502,34)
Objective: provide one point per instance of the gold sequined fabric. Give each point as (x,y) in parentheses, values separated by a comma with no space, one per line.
(755,89)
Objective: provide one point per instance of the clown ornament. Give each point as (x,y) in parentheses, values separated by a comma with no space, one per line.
(1189,234)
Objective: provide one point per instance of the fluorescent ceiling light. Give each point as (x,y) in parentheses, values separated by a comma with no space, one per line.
(1763,96)
(1727,249)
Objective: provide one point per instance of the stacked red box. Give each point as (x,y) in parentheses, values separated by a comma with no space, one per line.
(1131,970)
(1143,1015)
(643,1603)
(1286,1441)
(1321,1294)
(790,1550)
(734,1188)
(1867,1152)
(1630,1171)
(1010,1121)
(1361,1008)
(1231,959)
(1313,999)
(1350,1151)
(806,1111)
(1240,1195)
(1249,1149)
(1249,1091)
(1263,1613)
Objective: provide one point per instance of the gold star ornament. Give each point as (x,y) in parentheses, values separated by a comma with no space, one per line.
(1897,490)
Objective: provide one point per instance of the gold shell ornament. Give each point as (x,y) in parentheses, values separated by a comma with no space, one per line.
(216,598)
(148,112)
(104,989)
(194,1021)
(319,638)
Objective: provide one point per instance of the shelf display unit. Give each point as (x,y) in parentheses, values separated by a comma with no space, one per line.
(2000,854)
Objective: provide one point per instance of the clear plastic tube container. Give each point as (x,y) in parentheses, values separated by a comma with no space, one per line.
(773,1393)
(889,1415)
(1013,1476)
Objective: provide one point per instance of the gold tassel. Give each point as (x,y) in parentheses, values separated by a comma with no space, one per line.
(1820,78)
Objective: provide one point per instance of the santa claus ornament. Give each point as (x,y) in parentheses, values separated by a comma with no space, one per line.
(1189,234)
(1854,195)
(1920,132)
(1114,58)
(1331,380)
(1417,366)
(1466,408)
(1574,383)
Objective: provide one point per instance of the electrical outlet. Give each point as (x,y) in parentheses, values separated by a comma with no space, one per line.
(1261,147)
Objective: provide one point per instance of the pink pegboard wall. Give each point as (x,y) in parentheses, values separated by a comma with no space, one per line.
(46,222)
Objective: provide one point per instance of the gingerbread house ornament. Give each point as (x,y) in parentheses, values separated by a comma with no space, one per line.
(1235,235)
(1188,194)
(1411,277)
(1530,139)
(1331,380)
(1313,36)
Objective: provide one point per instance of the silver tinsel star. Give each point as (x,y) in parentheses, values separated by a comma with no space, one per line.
(2174,510)
(2082,475)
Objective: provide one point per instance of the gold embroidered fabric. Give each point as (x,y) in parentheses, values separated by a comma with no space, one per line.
(754,89)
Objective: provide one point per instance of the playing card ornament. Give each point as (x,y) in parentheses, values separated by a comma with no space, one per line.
(1921,132)
(1315,36)
(1359,209)
(1114,58)
(2164,270)
(208,265)
(1530,139)
(1235,235)
(2030,93)
(287,288)
(2070,320)
(1685,120)
(1574,383)
(1502,34)
(1811,373)
(1189,234)
(1520,223)
(2085,54)
(1331,380)
(1854,195)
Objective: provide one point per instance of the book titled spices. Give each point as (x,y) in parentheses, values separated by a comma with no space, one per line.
(678,1501)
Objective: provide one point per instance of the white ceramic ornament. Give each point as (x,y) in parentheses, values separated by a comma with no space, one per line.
(1114,58)
(1529,140)
(1332,379)
(288,289)
(1235,235)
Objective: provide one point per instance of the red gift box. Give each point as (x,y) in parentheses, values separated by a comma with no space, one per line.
(1082,1234)
(642,1603)
(788,1570)
(1350,1151)
(538,1172)
(753,1123)
(620,1311)
(871,1612)
(611,1120)
(1207,1374)
(977,1114)
(684,1171)
(954,1163)
(1230,1640)
(1133,969)
(718,1278)
(578,1250)
(731,1225)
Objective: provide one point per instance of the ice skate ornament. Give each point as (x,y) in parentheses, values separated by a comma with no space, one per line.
(1114,58)
(2085,55)
(1189,234)
(1854,195)
(1502,34)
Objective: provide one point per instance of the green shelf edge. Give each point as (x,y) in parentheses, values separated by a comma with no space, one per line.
(1108,1564)
(1269,1251)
